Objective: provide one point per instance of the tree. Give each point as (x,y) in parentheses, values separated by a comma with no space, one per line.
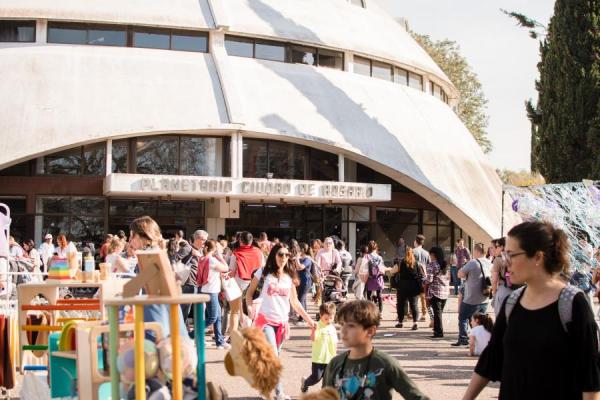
(471,108)
(565,139)
(520,178)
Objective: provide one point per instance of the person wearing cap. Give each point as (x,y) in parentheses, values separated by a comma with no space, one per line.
(46,250)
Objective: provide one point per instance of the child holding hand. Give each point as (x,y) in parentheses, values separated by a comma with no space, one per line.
(324,345)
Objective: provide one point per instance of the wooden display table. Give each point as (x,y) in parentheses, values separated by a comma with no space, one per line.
(50,291)
(139,302)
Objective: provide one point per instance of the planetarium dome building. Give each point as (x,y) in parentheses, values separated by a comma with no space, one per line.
(299,118)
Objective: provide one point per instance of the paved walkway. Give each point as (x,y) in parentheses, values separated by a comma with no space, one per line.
(440,370)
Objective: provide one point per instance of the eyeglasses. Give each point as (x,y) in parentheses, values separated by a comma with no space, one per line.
(510,256)
(283,254)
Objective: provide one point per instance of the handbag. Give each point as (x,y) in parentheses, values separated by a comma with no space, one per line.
(419,280)
(486,283)
(231,289)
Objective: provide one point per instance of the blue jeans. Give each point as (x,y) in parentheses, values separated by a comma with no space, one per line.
(269,332)
(185,308)
(465,313)
(213,317)
(454,278)
(160,313)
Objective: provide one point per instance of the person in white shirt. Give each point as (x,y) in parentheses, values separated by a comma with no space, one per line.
(64,247)
(213,287)
(46,250)
(481,332)
(14,249)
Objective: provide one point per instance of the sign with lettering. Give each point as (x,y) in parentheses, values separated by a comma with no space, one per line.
(243,188)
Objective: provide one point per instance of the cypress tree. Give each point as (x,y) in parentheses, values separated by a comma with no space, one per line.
(565,140)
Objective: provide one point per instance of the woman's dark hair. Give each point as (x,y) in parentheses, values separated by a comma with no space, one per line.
(304,248)
(372,246)
(172,246)
(294,248)
(534,236)
(339,245)
(438,252)
(484,320)
(30,243)
(364,250)
(271,264)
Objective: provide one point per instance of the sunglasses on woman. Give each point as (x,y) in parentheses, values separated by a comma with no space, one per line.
(283,254)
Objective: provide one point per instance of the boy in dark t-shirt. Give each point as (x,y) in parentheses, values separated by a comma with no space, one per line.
(364,373)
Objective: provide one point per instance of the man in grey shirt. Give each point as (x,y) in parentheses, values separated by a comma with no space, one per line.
(474,301)
(422,258)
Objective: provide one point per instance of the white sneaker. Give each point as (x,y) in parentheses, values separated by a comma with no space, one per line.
(224,346)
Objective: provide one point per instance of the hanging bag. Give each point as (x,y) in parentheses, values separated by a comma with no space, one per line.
(231,289)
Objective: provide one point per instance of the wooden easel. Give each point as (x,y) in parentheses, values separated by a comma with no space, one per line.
(156,276)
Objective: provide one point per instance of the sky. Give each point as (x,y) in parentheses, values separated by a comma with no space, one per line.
(502,55)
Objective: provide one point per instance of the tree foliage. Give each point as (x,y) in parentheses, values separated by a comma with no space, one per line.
(536,29)
(565,136)
(521,178)
(472,103)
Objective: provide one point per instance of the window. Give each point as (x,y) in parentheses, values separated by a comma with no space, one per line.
(287,161)
(189,42)
(80,218)
(331,59)
(269,51)
(283,52)
(17,31)
(438,92)
(401,76)
(157,155)
(255,158)
(201,156)
(88,160)
(151,39)
(117,35)
(178,155)
(303,55)
(18,216)
(362,66)
(415,81)
(323,166)
(381,70)
(120,159)
(66,33)
(21,169)
(107,37)
(238,46)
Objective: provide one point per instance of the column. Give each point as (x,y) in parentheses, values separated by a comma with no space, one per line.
(341,168)
(108,157)
(233,154)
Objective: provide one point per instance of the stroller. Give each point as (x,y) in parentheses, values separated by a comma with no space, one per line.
(333,290)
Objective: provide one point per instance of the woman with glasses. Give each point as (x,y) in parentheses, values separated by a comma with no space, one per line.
(270,311)
(531,352)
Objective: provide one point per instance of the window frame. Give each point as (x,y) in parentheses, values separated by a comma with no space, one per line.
(130,31)
(33,24)
(288,46)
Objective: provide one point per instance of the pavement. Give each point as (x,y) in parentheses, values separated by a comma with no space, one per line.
(439,370)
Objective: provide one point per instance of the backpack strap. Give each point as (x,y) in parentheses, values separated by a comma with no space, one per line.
(511,301)
(565,304)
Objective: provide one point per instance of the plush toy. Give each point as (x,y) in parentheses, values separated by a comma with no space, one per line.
(323,394)
(189,356)
(253,358)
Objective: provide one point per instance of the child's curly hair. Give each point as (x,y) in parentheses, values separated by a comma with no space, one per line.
(323,394)
(262,360)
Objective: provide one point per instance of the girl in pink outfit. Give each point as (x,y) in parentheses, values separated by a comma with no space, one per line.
(276,283)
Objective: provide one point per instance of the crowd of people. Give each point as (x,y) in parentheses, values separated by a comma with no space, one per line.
(267,284)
